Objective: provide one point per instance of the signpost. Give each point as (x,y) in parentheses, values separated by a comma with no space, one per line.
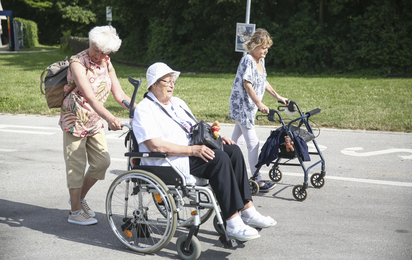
(244,31)
(109,14)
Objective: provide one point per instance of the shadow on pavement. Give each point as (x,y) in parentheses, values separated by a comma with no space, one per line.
(54,222)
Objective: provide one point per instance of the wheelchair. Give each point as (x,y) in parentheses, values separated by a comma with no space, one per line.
(145,204)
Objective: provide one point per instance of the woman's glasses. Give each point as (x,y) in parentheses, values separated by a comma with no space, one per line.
(169,82)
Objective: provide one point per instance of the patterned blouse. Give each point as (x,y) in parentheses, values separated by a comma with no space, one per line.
(241,107)
(77,117)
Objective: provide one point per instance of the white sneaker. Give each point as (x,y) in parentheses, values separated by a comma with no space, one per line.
(81,219)
(242,233)
(259,221)
(86,208)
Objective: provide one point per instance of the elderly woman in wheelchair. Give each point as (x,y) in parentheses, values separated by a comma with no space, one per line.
(163,145)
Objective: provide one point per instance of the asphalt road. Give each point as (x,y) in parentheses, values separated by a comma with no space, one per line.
(364,211)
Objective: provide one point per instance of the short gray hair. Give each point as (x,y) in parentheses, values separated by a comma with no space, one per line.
(105,38)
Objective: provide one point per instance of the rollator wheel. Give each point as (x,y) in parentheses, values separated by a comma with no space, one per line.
(316,181)
(275,174)
(217,227)
(185,211)
(193,251)
(299,193)
(132,215)
(254,187)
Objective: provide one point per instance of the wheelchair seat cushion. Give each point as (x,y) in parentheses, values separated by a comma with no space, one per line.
(201,181)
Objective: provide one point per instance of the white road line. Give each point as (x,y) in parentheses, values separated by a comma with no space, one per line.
(119,160)
(12,129)
(26,132)
(370,181)
(392,183)
(30,127)
(7,150)
(354,151)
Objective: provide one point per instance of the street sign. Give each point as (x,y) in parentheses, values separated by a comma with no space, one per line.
(108,13)
(243,33)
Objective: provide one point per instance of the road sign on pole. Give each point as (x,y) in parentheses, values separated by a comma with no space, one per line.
(244,31)
(109,14)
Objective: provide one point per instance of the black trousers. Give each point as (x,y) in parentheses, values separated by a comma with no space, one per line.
(227,176)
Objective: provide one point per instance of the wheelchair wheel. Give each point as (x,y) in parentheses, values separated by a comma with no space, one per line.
(316,181)
(254,187)
(299,193)
(275,174)
(187,208)
(217,227)
(132,215)
(193,251)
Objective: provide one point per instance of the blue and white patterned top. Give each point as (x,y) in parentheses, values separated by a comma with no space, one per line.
(241,107)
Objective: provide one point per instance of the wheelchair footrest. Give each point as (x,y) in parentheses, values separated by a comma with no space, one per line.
(227,243)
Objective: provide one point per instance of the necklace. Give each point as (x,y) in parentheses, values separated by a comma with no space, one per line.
(185,123)
(93,64)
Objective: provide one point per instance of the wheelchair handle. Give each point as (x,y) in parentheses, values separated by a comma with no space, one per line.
(127,125)
(126,104)
(123,125)
(136,84)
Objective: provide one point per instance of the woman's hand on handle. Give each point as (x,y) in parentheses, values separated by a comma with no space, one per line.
(114,124)
(263,108)
(282,100)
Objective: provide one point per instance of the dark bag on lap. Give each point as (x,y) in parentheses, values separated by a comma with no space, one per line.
(202,135)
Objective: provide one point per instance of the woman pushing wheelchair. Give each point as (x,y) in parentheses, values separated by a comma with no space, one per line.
(156,131)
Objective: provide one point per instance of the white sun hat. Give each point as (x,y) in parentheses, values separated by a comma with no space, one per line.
(158,70)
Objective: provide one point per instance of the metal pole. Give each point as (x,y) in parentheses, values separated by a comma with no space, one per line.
(247,17)
(248,11)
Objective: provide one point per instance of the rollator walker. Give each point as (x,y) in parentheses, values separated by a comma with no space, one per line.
(287,144)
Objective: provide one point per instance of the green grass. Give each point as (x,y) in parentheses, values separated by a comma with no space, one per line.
(349,102)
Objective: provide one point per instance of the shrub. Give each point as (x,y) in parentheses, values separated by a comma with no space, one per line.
(30,32)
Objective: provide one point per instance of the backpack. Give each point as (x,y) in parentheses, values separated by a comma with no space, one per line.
(54,82)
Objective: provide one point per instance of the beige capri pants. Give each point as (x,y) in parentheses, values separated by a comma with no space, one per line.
(77,151)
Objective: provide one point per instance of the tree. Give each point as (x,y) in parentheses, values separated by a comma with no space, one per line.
(54,17)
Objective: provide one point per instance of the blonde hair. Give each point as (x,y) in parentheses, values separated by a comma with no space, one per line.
(105,38)
(258,38)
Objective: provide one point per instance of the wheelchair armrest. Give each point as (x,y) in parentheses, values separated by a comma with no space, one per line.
(145,155)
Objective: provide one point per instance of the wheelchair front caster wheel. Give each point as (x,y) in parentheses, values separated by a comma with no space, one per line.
(317,181)
(299,193)
(217,227)
(194,250)
(275,174)
(254,187)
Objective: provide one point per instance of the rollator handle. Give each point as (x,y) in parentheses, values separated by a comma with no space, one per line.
(313,112)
